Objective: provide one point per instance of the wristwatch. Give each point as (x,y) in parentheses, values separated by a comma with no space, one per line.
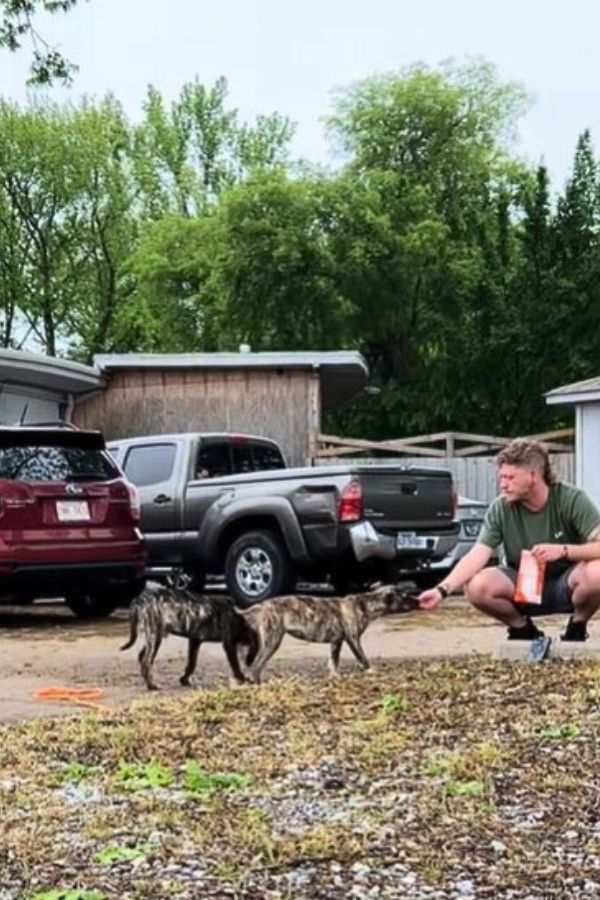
(443,590)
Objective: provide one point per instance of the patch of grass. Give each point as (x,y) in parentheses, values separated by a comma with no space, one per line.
(75,773)
(197,781)
(392,703)
(251,831)
(566,732)
(69,894)
(323,842)
(139,777)
(117,853)
(468,763)
(464,788)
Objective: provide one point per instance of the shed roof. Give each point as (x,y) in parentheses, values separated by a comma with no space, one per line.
(50,373)
(577,392)
(343,373)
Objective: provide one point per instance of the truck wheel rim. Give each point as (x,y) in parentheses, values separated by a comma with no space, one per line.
(254,572)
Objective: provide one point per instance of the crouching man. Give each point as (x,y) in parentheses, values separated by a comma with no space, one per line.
(557,522)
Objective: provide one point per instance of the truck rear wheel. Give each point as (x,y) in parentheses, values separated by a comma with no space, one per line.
(257,566)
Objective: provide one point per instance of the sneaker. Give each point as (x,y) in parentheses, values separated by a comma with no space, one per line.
(575,631)
(539,649)
(527,632)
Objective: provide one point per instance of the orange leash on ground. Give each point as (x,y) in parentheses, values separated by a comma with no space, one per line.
(80,696)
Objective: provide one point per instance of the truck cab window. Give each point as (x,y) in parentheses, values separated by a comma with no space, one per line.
(213,461)
(267,456)
(151,464)
(242,459)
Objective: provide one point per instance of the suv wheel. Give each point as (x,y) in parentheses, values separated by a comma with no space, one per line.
(123,594)
(257,566)
(87,605)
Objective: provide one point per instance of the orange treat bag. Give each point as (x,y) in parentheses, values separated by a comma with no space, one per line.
(530,579)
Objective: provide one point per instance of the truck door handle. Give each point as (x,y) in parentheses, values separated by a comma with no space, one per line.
(161,498)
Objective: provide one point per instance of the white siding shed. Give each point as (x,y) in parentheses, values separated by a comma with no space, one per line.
(585,397)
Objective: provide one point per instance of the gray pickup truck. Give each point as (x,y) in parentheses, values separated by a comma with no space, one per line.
(226,504)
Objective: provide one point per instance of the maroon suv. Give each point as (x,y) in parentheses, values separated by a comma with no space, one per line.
(68,521)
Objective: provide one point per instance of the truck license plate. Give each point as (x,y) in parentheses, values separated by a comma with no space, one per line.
(408,540)
(472,529)
(72,511)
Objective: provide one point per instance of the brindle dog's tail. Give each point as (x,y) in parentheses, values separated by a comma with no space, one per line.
(133,626)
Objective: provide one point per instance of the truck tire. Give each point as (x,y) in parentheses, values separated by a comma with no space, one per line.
(257,566)
(87,605)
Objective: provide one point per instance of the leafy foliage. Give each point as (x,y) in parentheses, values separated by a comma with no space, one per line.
(198,781)
(432,248)
(17,23)
(137,777)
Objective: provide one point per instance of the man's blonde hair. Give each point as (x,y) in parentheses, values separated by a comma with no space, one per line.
(528,455)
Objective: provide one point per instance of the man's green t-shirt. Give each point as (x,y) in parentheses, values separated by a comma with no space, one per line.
(568,517)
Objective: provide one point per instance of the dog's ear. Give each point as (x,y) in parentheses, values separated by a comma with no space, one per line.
(383,592)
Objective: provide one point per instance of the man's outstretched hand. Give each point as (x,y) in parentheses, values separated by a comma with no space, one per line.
(429,599)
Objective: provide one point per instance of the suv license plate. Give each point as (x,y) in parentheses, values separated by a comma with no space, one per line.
(72,511)
(411,541)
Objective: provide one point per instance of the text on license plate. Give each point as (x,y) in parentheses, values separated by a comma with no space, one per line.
(410,541)
(72,511)
(472,529)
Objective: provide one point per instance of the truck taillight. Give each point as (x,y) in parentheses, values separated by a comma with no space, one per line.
(351,501)
(454,502)
(134,502)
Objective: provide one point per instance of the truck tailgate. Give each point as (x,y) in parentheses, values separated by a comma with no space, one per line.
(407,498)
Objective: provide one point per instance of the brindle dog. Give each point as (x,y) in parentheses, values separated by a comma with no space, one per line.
(161,610)
(322,620)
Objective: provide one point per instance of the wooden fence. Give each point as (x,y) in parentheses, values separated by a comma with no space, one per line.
(474,474)
(474,478)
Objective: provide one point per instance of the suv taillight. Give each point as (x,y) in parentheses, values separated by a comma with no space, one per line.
(351,501)
(134,502)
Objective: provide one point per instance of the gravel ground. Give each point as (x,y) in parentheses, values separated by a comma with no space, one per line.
(459,778)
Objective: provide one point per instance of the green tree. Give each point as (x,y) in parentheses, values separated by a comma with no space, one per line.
(17,22)
(66,221)
(427,153)
(187,154)
(258,268)
(171,309)
(575,341)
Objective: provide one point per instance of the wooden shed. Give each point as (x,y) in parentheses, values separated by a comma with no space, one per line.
(280,395)
(585,397)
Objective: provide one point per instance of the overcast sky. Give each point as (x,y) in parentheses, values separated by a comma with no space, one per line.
(289,57)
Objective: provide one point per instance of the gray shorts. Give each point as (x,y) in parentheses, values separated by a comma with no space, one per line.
(556,594)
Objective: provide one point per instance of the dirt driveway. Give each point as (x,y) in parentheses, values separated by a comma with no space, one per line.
(45,645)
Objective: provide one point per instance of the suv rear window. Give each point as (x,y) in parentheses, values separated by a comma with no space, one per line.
(38,463)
